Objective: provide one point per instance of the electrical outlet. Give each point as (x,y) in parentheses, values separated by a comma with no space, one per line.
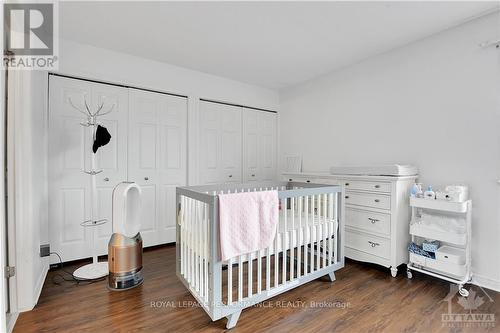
(45,250)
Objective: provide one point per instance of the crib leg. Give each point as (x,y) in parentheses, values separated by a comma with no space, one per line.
(331,276)
(232,319)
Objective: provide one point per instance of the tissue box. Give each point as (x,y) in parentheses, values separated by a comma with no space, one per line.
(430,246)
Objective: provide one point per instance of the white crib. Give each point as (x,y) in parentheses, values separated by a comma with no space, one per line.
(308,245)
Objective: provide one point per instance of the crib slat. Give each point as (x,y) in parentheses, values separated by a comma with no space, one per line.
(189,262)
(240,278)
(207,250)
(250,274)
(293,235)
(299,239)
(259,271)
(181,220)
(306,236)
(230,281)
(325,228)
(318,231)
(201,209)
(196,248)
(336,219)
(276,264)
(268,268)
(313,234)
(284,244)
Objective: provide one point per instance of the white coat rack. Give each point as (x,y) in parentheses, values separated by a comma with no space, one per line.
(96,269)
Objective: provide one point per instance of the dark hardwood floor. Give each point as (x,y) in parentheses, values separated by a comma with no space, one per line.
(365,298)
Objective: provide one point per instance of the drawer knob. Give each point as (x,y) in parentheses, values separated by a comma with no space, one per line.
(372,220)
(308,181)
(347,197)
(146,178)
(373,244)
(346,184)
(377,186)
(106,179)
(253,175)
(290,179)
(230,176)
(377,200)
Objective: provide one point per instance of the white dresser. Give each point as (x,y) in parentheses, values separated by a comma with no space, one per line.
(377,215)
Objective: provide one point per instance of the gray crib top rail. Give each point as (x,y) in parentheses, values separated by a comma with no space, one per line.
(209,193)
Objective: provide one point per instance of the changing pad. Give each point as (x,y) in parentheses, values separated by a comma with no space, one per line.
(375,170)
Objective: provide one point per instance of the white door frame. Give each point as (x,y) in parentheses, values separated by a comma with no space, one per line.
(15,102)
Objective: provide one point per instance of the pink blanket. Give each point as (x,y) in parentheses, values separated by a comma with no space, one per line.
(247,222)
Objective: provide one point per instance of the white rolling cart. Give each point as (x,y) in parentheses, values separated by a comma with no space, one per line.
(453,263)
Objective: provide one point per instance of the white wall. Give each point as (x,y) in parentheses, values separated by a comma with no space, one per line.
(28,181)
(97,63)
(433,103)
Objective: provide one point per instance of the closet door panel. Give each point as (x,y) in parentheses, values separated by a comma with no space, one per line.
(230,136)
(267,146)
(157,159)
(143,162)
(149,214)
(250,146)
(112,158)
(104,206)
(209,144)
(173,161)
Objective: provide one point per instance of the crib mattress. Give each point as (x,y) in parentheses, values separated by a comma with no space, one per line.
(298,234)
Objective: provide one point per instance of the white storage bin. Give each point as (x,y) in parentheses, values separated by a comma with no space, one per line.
(417,259)
(451,254)
(446,268)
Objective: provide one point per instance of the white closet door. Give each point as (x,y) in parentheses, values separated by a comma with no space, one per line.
(70,148)
(220,143)
(157,159)
(251,170)
(259,145)
(267,146)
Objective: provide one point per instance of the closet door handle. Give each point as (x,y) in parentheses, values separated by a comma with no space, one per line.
(146,178)
(106,179)
(372,220)
(373,244)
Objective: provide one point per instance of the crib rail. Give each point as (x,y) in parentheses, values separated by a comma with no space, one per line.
(308,244)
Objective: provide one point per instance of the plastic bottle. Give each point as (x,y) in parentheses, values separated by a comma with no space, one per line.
(429,194)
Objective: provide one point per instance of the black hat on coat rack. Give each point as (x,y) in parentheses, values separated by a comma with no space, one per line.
(100,137)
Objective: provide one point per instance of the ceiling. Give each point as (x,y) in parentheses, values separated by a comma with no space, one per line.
(270,44)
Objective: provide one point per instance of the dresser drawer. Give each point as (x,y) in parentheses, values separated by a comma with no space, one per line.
(301,179)
(367,243)
(360,185)
(368,221)
(369,200)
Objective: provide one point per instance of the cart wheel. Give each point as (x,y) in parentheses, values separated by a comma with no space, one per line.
(463,292)
(409,274)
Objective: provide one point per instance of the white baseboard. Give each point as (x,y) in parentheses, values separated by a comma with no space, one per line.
(486,282)
(11,321)
(37,290)
(39,284)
